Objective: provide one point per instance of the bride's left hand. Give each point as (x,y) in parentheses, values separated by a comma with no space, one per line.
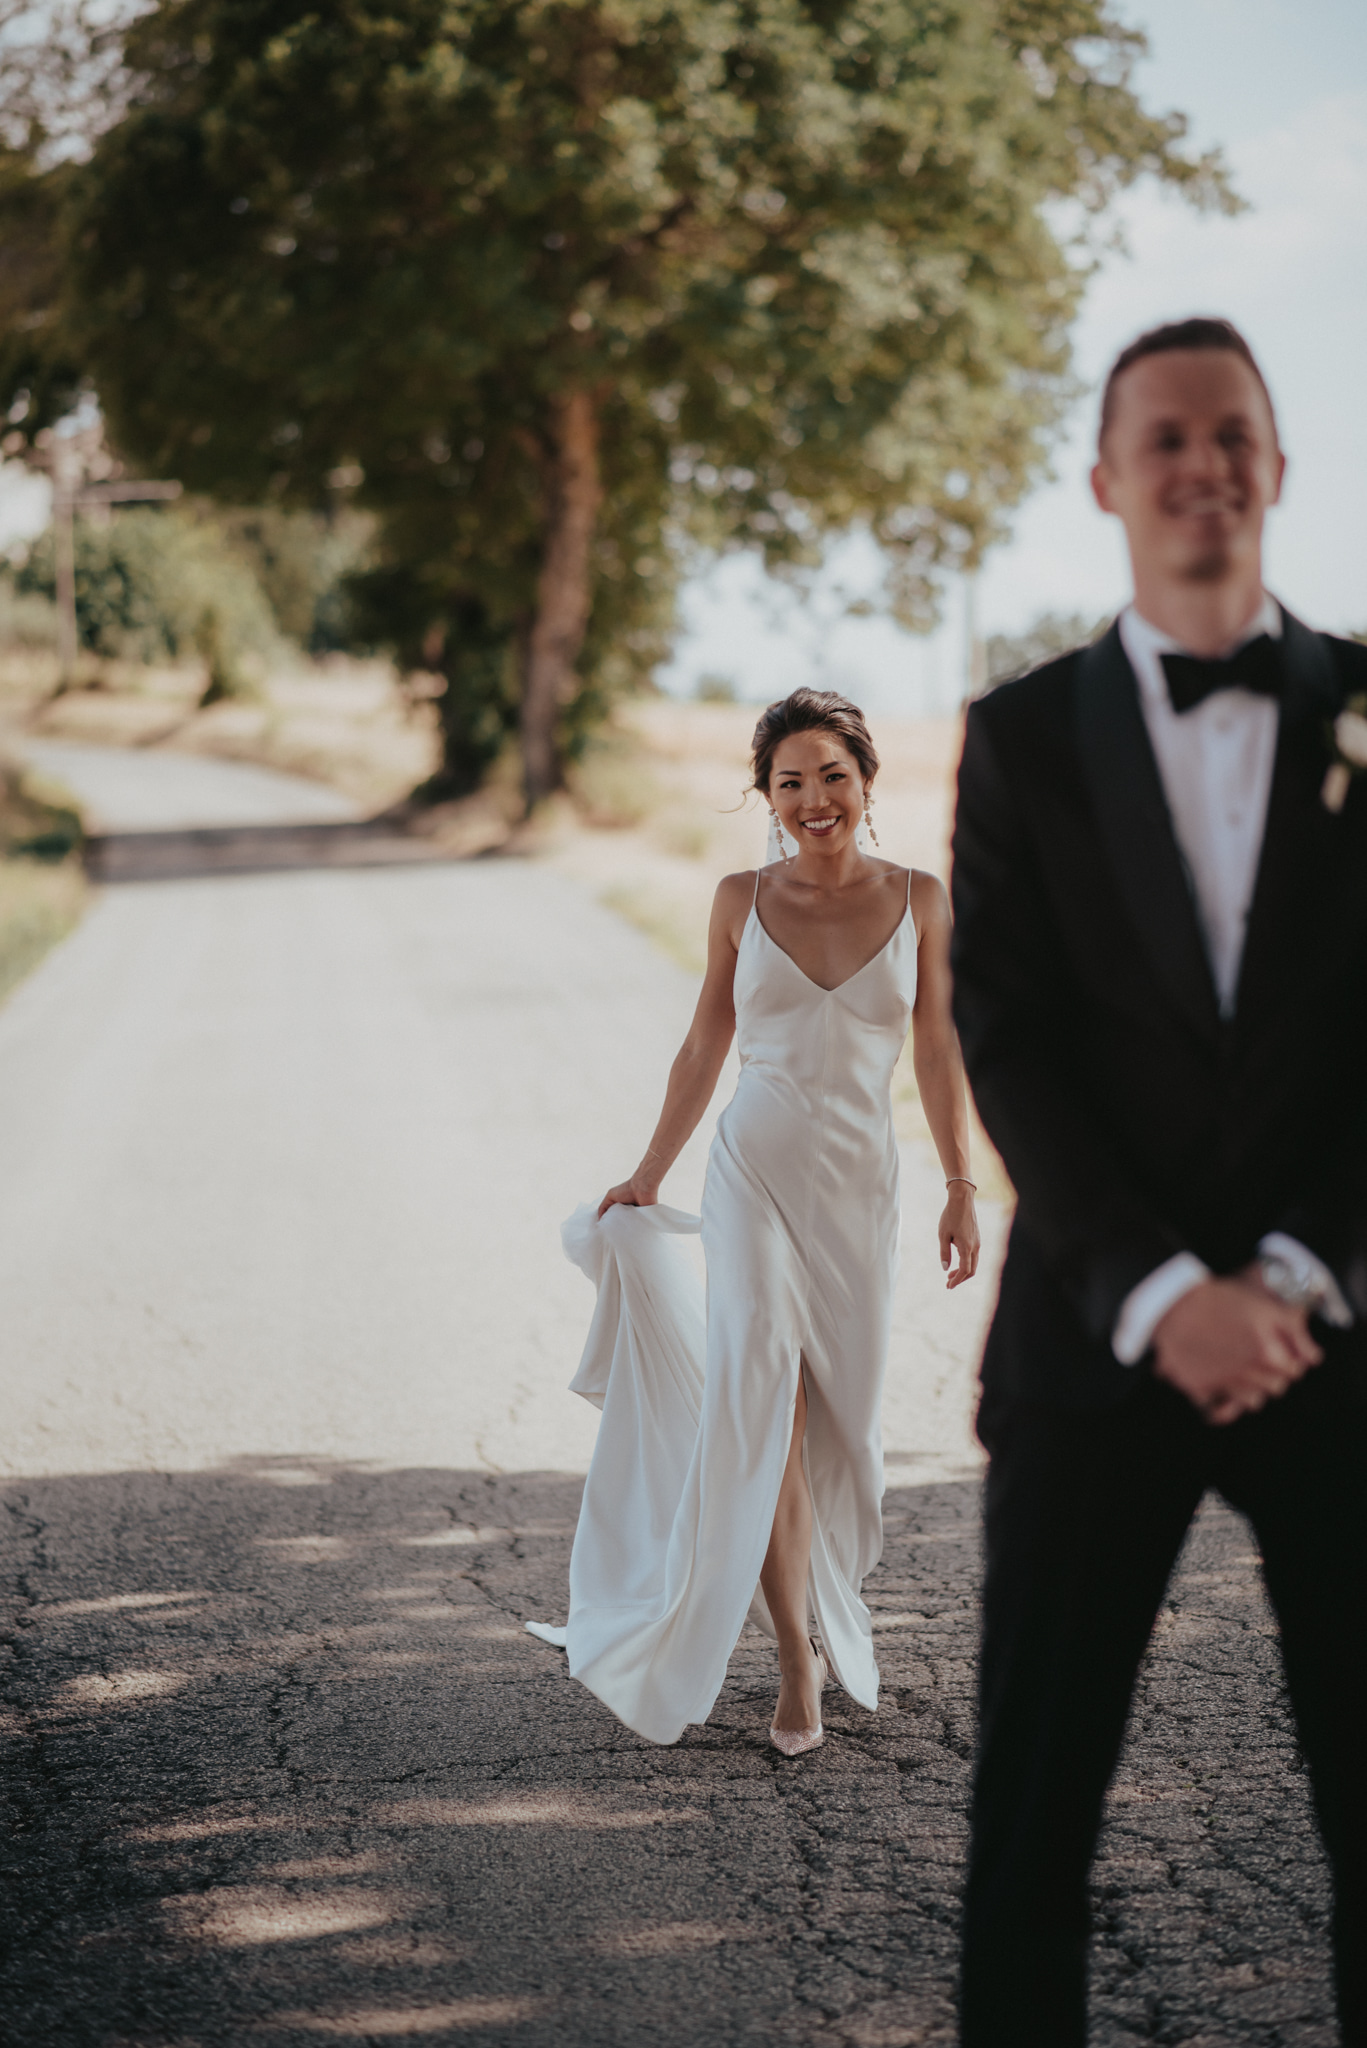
(640,1192)
(959,1228)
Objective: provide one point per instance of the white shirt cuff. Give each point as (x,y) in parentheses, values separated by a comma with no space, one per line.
(1326,1296)
(1145,1306)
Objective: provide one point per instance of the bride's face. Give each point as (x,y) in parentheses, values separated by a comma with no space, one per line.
(817,790)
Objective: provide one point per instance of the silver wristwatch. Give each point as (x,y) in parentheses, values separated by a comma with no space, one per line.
(1297,1289)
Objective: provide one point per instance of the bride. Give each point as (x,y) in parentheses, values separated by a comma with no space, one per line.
(738,1466)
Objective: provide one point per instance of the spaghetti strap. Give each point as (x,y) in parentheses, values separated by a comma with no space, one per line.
(908,888)
(754,900)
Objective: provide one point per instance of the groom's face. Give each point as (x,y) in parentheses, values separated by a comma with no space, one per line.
(1190,463)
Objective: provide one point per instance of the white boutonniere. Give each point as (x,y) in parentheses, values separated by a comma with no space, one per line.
(1348,736)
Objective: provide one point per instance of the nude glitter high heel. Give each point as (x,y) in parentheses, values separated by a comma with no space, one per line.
(797,1741)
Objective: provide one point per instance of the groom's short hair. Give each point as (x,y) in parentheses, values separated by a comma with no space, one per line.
(1203,332)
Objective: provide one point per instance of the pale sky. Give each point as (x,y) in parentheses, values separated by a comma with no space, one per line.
(1281,86)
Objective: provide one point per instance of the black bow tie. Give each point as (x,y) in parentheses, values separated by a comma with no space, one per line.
(1256,666)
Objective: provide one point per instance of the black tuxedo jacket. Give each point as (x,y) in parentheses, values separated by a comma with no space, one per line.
(1134,1122)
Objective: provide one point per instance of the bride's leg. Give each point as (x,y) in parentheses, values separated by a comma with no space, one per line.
(784,1583)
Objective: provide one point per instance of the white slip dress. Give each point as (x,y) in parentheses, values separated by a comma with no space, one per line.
(799,1228)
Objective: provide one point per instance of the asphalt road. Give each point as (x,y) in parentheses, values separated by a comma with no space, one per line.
(288,1459)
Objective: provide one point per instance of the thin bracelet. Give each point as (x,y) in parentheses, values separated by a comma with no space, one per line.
(964,1178)
(651,1153)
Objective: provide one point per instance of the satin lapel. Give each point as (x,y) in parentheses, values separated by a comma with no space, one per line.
(1132,817)
(1284,921)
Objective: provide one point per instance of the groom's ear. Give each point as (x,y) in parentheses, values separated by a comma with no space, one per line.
(1100,489)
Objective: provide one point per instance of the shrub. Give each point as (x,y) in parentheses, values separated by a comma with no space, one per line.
(39,904)
(42,887)
(26,619)
(160,585)
(1052,633)
(37,821)
(301,561)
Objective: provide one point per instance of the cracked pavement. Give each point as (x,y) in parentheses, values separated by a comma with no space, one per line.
(288,1460)
(284,1766)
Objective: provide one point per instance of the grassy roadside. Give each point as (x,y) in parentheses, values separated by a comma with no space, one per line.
(39,904)
(43,888)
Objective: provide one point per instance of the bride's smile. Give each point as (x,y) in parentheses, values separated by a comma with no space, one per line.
(817,791)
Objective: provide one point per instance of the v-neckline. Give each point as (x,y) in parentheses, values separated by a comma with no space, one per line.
(894,933)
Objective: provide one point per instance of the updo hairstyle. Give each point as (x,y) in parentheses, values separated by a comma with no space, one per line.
(811,711)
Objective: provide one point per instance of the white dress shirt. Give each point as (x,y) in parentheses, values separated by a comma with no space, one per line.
(1215,763)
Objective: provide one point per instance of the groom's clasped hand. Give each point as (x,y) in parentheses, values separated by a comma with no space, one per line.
(1231,1346)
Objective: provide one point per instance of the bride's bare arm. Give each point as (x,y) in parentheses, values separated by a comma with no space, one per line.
(693,1076)
(940,1075)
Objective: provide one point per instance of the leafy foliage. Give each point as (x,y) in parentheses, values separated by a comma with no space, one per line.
(1053,633)
(302,561)
(39,377)
(63,78)
(803,254)
(224,583)
(157,586)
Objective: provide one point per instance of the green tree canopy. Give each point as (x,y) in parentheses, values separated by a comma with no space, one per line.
(541,283)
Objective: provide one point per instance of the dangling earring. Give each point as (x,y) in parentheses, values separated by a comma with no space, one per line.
(868,819)
(778,834)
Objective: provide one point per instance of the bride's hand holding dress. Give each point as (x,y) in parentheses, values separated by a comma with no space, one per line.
(640,1192)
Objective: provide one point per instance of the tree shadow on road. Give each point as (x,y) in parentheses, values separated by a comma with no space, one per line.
(286,1767)
(195,852)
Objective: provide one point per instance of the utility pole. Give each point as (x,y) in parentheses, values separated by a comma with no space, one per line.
(65,483)
(975,647)
(80,468)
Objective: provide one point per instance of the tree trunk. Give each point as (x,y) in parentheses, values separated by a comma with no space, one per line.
(573,493)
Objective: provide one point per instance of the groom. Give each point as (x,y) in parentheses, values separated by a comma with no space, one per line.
(1161,986)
